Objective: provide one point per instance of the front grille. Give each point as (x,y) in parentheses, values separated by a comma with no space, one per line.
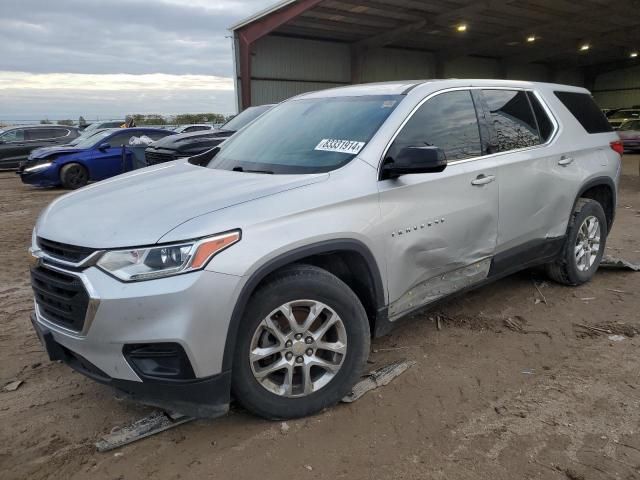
(61,298)
(62,251)
(153,158)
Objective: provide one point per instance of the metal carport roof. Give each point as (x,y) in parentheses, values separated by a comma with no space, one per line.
(596,35)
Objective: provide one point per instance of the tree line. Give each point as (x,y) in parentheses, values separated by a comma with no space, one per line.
(155,119)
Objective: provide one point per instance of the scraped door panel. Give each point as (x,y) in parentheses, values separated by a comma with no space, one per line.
(436,226)
(440,229)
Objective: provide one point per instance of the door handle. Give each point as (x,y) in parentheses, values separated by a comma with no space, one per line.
(483,179)
(565,161)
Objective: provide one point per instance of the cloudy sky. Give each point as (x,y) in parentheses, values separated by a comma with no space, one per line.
(106,58)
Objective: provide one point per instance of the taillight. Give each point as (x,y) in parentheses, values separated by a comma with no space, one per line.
(617,147)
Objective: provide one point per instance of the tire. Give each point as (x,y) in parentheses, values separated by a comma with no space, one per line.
(73,176)
(301,287)
(568,269)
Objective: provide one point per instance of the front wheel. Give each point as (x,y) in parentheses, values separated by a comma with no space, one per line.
(302,345)
(584,246)
(73,175)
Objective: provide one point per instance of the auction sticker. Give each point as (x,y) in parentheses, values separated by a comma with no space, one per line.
(340,146)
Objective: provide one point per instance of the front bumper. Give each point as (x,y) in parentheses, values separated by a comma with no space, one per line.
(201,398)
(191,310)
(49,177)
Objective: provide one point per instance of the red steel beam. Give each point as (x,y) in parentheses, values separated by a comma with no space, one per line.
(257,29)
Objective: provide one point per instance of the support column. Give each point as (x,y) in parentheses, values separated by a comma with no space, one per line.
(245,70)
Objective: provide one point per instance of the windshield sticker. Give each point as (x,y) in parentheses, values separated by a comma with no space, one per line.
(388,103)
(340,146)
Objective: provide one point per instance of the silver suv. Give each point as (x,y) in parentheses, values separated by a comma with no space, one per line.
(263,267)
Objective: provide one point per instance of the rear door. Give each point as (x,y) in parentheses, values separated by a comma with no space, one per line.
(534,175)
(440,228)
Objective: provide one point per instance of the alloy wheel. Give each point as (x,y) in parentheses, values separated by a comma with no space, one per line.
(298,348)
(587,243)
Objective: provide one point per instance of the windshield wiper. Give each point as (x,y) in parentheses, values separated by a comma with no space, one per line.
(240,169)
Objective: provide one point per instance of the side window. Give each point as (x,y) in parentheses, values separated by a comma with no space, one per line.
(447,121)
(512,119)
(16,135)
(119,139)
(545,126)
(59,132)
(45,133)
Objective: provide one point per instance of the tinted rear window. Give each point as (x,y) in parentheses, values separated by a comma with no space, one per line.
(584,109)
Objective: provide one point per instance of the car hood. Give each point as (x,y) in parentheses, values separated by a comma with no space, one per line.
(140,207)
(47,151)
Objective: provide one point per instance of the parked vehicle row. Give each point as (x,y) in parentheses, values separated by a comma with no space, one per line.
(97,156)
(263,266)
(194,143)
(72,159)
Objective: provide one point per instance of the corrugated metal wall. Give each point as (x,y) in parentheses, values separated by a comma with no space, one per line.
(394,64)
(617,89)
(283,67)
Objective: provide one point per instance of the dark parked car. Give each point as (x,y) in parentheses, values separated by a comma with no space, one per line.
(195,127)
(17,142)
(190,144)
(96,157)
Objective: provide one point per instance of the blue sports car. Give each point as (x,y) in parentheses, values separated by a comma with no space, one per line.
(96,157)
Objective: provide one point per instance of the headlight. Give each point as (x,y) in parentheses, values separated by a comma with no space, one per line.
(37,168)
(165,260)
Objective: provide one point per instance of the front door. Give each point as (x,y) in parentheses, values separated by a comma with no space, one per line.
(440,228)
(108,162)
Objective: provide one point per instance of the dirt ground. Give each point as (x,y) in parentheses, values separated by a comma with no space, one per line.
(543,399)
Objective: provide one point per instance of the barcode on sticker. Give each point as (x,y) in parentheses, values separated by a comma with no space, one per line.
(340,146)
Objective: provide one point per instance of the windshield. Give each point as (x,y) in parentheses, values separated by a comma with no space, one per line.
(306,136)
(626,114)
(93,139)
(243,118)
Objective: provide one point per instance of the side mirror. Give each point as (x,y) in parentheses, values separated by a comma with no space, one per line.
(104,146)
(426,159)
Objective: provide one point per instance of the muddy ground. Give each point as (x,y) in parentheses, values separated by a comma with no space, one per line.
(550,400)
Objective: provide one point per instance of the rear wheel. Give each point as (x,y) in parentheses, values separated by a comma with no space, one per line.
(584,246)
(302,345)
(73,175)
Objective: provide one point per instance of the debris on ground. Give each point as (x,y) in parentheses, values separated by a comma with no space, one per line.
(13,386)
(590,328)
(612,262)
(617,338)
(284,428)
(615,290)
(517,324)
(611,328)
(573,475)
(158,421)
(544,299)
(529,371)
(378,378)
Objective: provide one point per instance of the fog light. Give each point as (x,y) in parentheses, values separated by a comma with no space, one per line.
(164,361)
